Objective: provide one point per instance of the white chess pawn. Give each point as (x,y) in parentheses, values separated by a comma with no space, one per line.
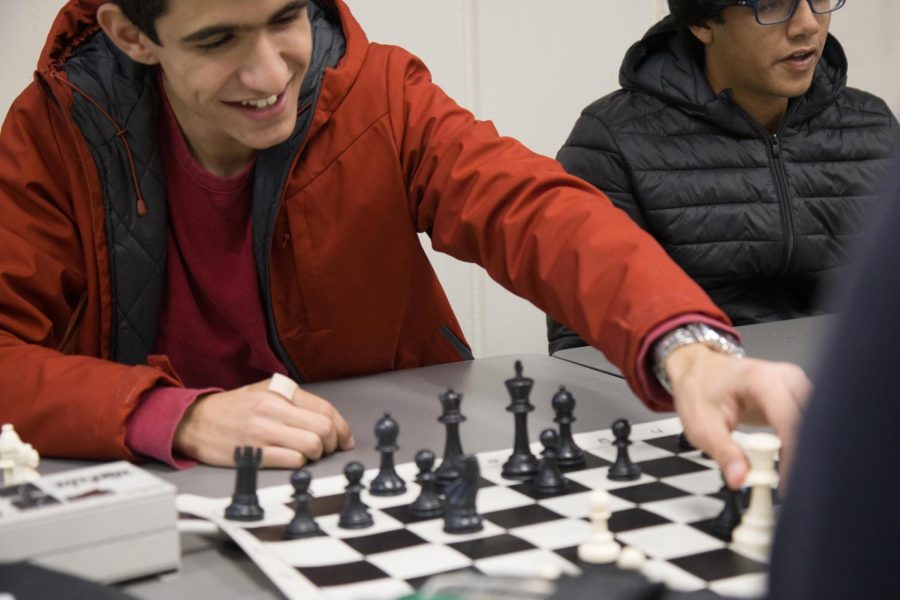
(27,464)
(631,559)
(754,534)
(600,547)
(9,452)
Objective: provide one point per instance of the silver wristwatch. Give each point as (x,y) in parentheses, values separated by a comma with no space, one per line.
(692,333)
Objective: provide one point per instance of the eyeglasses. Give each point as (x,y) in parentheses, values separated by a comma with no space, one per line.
(772,12)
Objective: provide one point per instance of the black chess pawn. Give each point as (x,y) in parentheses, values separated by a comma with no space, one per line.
(303,523)
(623,469)
(245,503)
(387,482)
(568,455)
(451,417)
(429,503)
(355,514)
(460,513)
(549,479)
(684,444)
(730,517)
(522,464)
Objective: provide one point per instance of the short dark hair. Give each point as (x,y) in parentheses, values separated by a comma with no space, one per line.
(693,12)
(144,13)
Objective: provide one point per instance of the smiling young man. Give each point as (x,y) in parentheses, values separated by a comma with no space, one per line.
(195,194)
(735,142)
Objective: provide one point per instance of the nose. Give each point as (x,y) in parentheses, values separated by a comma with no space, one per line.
(264,69)
(805,23)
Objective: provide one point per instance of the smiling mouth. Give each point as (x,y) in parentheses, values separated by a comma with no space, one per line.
(261,103)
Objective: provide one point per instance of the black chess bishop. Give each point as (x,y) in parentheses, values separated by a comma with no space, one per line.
(245,503)
(387,482)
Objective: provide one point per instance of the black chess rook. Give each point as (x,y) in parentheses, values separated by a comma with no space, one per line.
(245,503)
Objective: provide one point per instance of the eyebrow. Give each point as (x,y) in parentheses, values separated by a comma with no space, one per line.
(215,30)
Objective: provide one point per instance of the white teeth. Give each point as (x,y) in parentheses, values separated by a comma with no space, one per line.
(264,103)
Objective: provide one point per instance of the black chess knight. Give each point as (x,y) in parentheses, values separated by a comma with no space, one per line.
(522,464)
(460,513)
(245,503)
(387,482)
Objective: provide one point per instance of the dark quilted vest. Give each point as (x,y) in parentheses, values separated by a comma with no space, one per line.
(762,222)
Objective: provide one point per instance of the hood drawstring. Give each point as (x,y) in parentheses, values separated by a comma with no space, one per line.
(121,133)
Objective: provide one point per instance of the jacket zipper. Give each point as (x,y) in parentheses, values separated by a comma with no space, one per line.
(292,369)
(782,192)
(787,215)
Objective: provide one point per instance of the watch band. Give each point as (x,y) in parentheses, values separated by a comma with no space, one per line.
(692,333)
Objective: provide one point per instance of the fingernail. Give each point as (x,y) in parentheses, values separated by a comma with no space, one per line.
(734,472)
(351,443)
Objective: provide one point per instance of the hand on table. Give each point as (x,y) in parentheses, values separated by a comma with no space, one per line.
(715,392)
(290,432)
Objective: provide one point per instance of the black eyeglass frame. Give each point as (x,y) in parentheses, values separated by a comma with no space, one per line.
(754,4)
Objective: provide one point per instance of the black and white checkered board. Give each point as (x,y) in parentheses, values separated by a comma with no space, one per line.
(665,514)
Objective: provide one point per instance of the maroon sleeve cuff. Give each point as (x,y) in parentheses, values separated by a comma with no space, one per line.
(150,430)
(658,398)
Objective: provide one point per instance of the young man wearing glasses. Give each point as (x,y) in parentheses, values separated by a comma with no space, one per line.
(735,142)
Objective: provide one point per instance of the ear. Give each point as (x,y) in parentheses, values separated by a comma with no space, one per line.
(703,32)
(125,34)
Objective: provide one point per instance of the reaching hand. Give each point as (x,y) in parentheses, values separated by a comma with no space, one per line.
(715,392)
(290,432)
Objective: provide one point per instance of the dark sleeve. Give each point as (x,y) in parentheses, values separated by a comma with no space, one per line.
(837,535)
(591,153)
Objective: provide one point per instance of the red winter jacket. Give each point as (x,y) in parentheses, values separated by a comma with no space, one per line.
(381,155)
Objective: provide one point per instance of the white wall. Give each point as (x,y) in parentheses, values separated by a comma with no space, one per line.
(528,65)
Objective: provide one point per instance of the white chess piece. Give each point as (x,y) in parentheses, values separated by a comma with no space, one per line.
(9,452)
(754,534)
(600,547)
(27,464)
(631,559)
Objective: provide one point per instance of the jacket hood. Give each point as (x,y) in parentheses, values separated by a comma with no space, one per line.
(662,64)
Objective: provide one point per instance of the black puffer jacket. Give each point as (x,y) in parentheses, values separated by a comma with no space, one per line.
(762,222)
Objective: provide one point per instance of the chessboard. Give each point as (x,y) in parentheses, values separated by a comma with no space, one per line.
(666,513)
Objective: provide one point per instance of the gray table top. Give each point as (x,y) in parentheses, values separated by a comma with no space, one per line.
(796,340)
(211,569)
